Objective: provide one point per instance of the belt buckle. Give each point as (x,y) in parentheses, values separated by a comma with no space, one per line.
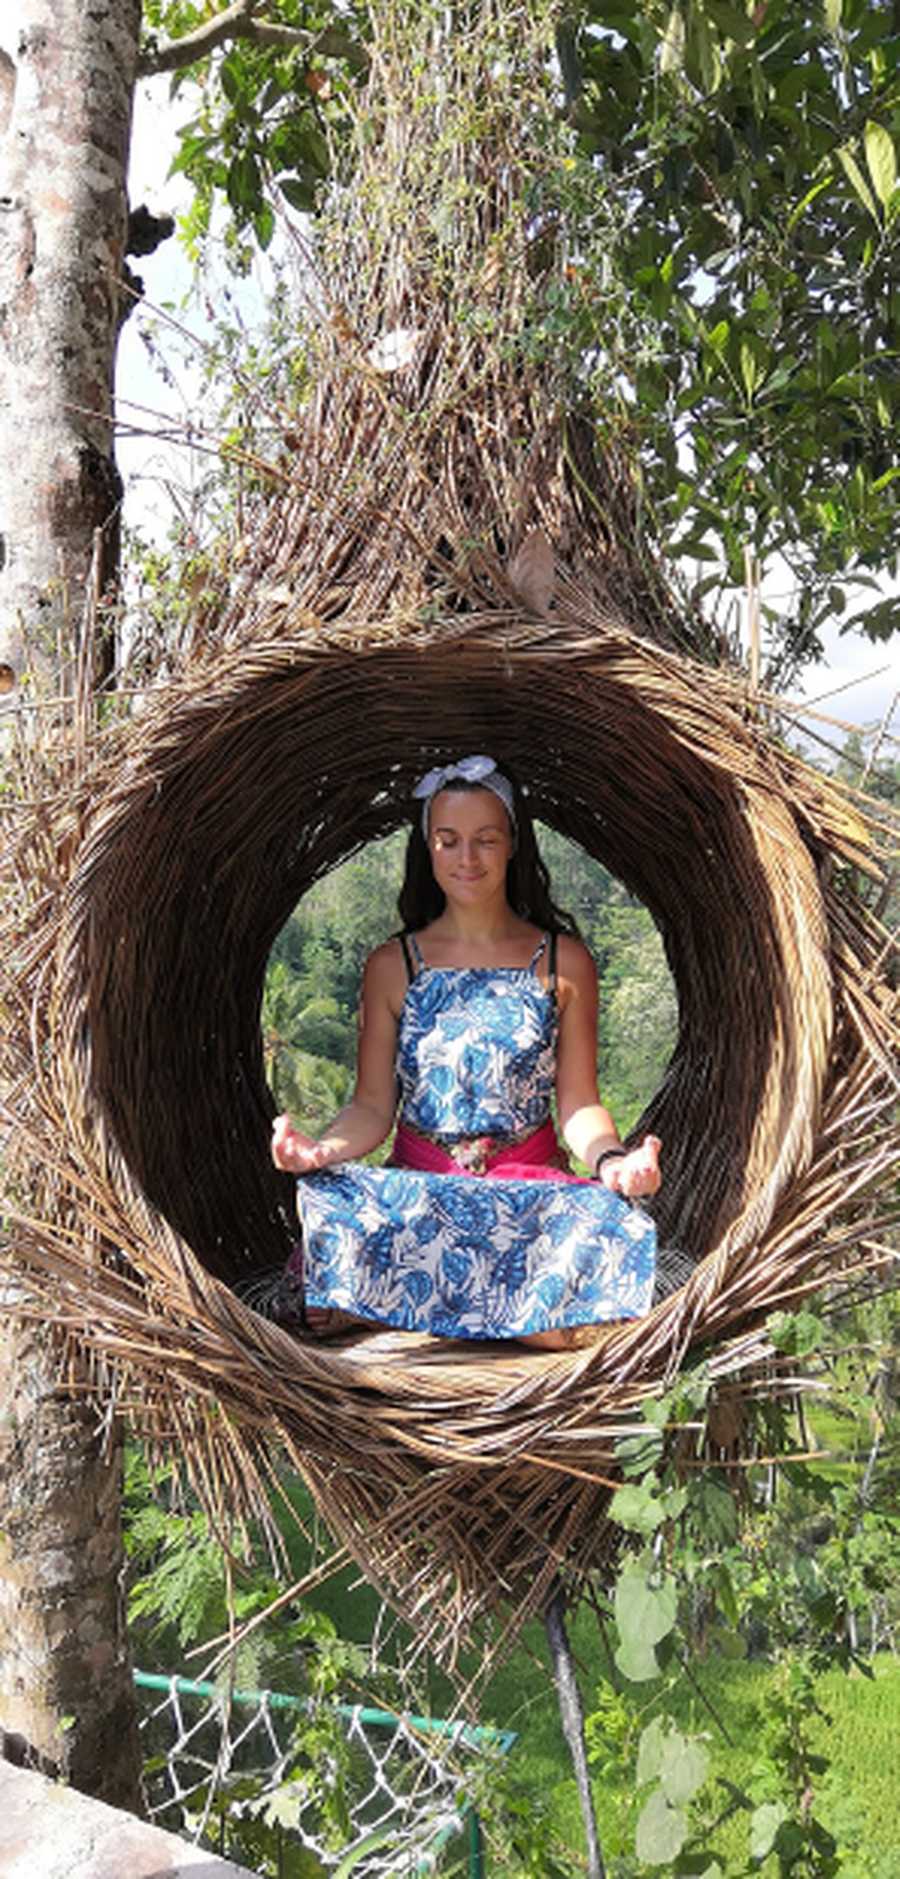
(471,1155)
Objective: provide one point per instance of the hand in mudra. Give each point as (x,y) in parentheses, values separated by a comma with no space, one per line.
(637,1173)
(295,1153)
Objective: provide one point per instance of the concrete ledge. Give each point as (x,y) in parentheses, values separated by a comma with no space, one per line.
(47,1831)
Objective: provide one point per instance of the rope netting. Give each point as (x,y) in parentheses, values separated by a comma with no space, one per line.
(382,1797)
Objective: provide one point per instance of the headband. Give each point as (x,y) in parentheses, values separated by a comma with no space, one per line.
(480,770)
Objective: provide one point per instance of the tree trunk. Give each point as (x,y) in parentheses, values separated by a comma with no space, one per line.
(65,101)
(66,85)
(67,1701)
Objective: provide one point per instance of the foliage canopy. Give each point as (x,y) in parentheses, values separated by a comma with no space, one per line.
(753,155)
(730,220)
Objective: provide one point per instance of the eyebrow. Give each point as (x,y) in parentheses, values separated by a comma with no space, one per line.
(485,828)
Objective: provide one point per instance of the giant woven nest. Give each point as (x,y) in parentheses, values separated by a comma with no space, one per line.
(384,617)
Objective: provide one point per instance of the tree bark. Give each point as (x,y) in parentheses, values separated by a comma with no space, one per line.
(67,1703)
(571,1716)
(66,86)
(65,101)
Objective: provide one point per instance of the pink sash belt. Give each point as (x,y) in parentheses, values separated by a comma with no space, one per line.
(538,1157)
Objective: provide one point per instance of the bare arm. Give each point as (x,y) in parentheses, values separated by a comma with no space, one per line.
(586,1123)
(368,1117)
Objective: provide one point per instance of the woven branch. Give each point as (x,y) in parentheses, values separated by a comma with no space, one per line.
(375,623)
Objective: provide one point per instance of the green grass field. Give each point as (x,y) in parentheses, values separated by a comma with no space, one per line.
(859,1798)
(860,1795)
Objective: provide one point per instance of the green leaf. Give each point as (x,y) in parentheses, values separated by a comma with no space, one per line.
(645,1614)
(569,62)
(243,183)
(764,1824)
(312,148)
(753,359)
(685,1766)
(695,546)
(833,11)
(264,225)
(283,1805)
(230,77)
(637,1454)
(650,1610)
(853,171)
(671,51)
(637,1660)
(650,1752)
(656,1410)
(637,1509)
(675,1501)
(661,1831)
(881,158)
(714,1510)
(370,1844)
(796,1332)
(728,1644)
(299,191)
(731,22)
(703,53)
(806,202)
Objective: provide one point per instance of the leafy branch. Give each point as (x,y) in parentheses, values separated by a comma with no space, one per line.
(793,1574)
(241,21)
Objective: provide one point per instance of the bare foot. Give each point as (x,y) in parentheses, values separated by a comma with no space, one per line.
(578,1337)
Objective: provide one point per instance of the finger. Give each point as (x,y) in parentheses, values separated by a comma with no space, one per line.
(281,1131)
(640,1176)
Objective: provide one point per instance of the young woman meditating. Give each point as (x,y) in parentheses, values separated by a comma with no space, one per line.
(470,1022)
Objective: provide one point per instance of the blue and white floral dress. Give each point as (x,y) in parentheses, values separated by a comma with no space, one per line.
(529,1248)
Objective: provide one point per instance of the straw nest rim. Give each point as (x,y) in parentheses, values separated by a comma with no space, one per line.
(209,817)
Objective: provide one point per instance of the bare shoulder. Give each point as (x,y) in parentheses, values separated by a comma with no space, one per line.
(574,963)
(385,976)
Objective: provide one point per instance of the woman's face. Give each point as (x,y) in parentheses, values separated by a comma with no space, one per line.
(470,843)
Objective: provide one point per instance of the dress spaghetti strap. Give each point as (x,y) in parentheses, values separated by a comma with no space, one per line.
(546,944)
(412,954)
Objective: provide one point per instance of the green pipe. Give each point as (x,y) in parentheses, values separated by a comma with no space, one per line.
(476,1845)
(473,1735)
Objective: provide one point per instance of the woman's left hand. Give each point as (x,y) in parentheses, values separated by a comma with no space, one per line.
(636,1174)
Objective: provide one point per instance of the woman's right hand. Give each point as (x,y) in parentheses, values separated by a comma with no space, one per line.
(296,1153)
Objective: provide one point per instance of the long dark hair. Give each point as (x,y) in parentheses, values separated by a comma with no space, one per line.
(527,881)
